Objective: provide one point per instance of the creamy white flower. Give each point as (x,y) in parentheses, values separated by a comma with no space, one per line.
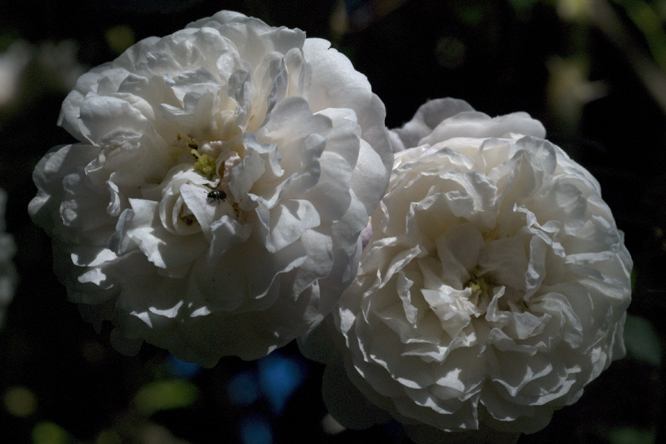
(493,289)
(215,202)
(8,276)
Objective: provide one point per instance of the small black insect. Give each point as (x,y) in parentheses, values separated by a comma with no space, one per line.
(216,195)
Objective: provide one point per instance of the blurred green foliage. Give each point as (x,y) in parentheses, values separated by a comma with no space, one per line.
(165,395)
(49,433)
(629,435)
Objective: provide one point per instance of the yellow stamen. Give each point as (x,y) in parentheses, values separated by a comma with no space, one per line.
(205,164)
(477,283)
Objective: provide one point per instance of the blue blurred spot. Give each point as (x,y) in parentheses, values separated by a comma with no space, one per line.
(352,5)
(279,376)
(255,429)
(243,388)
(392,427)
(360,12)
(182,369)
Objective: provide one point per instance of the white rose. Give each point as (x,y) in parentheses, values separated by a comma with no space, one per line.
(215,202)
(8,275)
(493,289)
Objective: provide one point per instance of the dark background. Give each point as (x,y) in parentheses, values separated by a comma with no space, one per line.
(593,71)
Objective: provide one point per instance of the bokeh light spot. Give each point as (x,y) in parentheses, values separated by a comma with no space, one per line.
(119,38)
(255,429)
(642,341)
(19,401)
(243,388)
(331,426)
(165,395)
(630,435)
(108,437)
(279,377)
(49,433)
(182,369)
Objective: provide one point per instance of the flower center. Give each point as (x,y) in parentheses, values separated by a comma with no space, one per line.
(205,164)
(481,290)
(214,160)
(478,283)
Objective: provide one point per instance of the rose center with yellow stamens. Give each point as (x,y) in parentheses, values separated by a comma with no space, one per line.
(205,164)
(478,283)
(481,290)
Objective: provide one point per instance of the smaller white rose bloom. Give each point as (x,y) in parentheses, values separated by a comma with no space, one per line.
(8,275)
(493,289)
(215,202)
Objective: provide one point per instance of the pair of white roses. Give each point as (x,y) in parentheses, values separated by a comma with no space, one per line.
(218,204)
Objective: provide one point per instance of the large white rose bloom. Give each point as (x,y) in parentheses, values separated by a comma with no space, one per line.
(214,203)
(8,275)
(493,288)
